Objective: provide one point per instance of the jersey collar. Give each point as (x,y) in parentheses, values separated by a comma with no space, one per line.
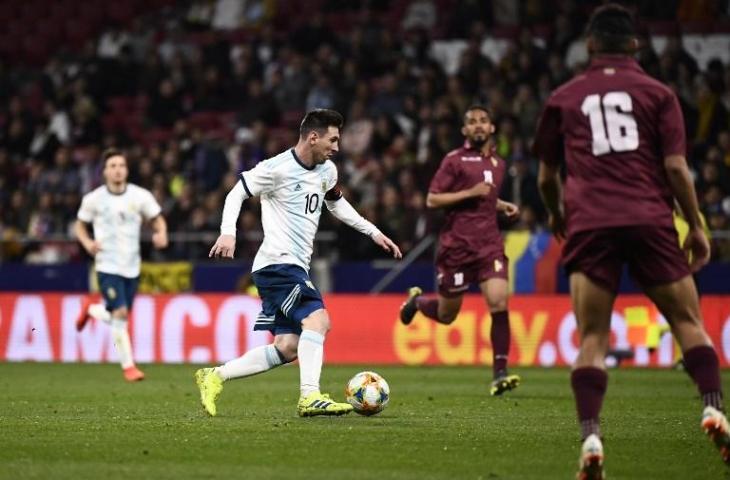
(470,147)
(294,153)
(621,61)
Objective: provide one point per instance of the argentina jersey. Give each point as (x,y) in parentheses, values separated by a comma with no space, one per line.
(117,219)
(292,197)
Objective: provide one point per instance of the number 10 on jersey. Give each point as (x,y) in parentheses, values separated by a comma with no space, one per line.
(311,202)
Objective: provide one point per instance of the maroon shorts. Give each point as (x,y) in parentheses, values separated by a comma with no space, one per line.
(454,278)
(651,252)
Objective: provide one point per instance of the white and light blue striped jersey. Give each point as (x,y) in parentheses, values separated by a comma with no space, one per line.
(117,220)
(292,196)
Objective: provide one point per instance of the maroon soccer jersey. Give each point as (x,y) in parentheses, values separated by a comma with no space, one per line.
(470,228)
(614,125)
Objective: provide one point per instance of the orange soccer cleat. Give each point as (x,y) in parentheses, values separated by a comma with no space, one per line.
(133,374)
(84,316)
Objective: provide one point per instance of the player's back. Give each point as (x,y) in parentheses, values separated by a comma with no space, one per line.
(617,124)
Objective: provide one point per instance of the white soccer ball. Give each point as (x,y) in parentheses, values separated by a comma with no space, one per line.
(368,393)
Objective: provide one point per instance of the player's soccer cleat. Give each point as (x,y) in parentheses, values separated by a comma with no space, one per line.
(133,374)
(591,459)
(715,425)
(408,309)
(504,383)
(321,404)
(84,316)
(211,386)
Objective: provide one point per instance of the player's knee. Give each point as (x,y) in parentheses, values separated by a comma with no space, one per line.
(499,305)
(318,321)
(120,313)
(448,317)
(287,347)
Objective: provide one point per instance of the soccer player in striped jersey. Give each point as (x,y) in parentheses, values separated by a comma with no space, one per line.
(293,187)
(117,210)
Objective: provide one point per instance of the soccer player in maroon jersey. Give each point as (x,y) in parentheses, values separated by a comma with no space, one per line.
(470,245)
(621,136)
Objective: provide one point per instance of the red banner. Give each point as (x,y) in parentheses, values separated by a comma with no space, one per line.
(365,329)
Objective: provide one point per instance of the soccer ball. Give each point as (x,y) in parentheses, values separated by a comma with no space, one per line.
(368,393)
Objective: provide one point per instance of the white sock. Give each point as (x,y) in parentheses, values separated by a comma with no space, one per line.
(98,311)
(250,363)
(311,353)
(121,341)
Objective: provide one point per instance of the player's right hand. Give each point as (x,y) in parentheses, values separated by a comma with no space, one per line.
(481,189)
(93,247)
(224,247)
(557,225)
(697,244)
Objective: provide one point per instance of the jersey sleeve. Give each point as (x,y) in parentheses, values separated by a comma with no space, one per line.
(150,207)
(671,127)
(86,210)
(258,180)
(333,189)
(445,177)
(548,144)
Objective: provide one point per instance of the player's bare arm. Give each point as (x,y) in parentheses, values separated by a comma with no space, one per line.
(683,190)
(159,232)
(548,180)
(91,246)
(441,200)
(508,208)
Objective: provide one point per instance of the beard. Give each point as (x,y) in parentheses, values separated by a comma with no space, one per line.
(478,142)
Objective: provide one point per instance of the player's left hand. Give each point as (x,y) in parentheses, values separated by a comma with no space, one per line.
(697,243)
(388,245)
(510,210)
(224,247)
(159,240)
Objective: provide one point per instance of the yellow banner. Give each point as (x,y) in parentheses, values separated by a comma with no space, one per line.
(165,277)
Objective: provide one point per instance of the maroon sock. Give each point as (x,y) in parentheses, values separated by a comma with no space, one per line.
(429,306)
(500,340)
(589,387)
(702,365)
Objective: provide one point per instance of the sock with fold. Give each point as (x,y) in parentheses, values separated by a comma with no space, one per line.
(120,335)
(257,360)
(589,387)
(311,354)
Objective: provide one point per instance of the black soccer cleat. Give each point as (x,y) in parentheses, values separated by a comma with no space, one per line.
(409,309)
(503,382)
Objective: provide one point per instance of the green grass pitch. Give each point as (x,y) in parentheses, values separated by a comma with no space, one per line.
(84,422)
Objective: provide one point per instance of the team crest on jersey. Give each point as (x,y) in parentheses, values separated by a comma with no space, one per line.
(498,266)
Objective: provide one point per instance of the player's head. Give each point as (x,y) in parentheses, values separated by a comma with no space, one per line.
(478,126)
(320,130)
(611,30)
(115,166)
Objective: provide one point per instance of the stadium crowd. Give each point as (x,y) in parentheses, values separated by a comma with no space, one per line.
(197,93)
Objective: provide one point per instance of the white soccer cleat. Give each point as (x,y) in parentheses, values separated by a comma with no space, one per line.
(591,459)
(715,425)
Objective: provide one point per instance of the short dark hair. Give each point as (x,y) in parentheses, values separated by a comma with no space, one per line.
(612,28)
(320,120)
(111,152)
(478,106)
